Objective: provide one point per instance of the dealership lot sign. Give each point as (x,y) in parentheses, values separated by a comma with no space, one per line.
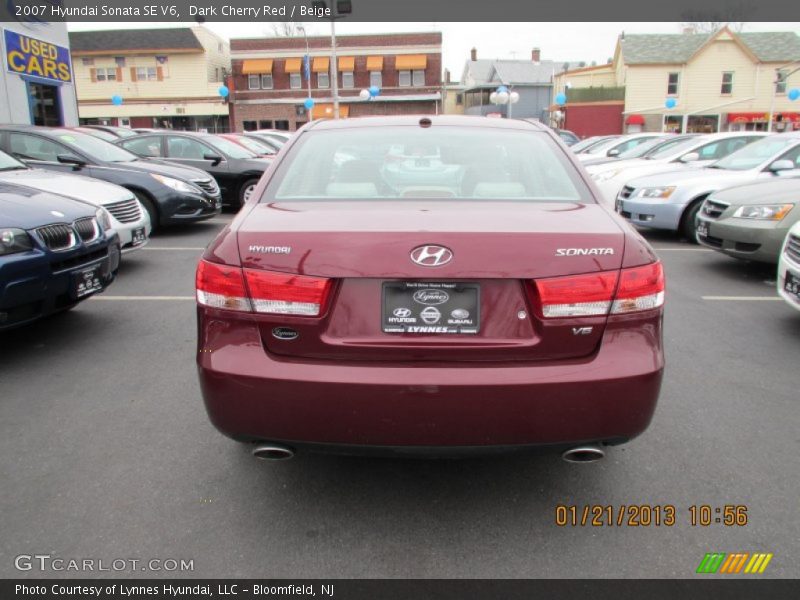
(28,56)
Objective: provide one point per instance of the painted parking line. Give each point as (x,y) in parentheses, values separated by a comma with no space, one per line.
(743,298)
(145,298)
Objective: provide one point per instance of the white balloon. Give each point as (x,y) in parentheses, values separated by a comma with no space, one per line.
(513,97)
(364,94)
(493,97)
(502,97)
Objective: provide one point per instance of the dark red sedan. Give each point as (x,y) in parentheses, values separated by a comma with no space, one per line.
(429,285)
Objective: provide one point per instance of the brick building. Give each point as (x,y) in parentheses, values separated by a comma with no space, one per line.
(269,83)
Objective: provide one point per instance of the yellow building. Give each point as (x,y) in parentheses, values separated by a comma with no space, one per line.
(164,77)
(723,81)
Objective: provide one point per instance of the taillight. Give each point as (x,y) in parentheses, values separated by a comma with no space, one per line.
(639,288)
(287,294)
(221,286)
(251,290)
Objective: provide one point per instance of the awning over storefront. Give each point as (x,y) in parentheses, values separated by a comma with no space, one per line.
(411,62)
(346,63)
(325,111)
(293,65)
(634,120)
(374,63)
(755,117)
(257,66)
(321,64)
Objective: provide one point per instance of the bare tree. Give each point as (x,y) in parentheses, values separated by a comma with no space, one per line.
(698,26)
(286,28)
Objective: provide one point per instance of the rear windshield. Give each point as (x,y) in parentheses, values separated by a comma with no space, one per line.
(435,162)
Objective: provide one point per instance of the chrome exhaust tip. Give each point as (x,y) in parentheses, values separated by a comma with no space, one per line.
(272,452)
(583,454)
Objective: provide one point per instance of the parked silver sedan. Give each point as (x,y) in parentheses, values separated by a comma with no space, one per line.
(750,221)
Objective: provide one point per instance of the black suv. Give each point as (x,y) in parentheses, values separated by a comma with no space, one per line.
(171,193)
(236,169)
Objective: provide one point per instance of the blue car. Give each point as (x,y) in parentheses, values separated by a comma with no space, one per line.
(54,253)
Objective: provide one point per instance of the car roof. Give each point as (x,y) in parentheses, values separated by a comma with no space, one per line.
(435,120)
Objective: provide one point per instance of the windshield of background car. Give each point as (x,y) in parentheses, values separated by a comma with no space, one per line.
(753,155)
(642,149)
(584,144)
(672,148)
(8,162)
(419,163)
(95,147)
(229,148)
(254,145)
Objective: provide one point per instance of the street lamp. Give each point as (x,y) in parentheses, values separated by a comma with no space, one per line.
(308,73)
(503,96)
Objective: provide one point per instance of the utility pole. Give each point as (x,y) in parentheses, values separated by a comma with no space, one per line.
(334,68)
(307,69)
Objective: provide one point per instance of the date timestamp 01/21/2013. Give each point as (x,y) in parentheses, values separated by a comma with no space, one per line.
(648,515)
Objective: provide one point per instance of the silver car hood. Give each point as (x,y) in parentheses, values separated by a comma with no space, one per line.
(79,187)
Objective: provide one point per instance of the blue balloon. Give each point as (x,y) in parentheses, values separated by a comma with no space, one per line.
(374,90)
(309,103)
(670,103)
(502,88)
(224,91)
(116,100)
(561,98)
(794,94)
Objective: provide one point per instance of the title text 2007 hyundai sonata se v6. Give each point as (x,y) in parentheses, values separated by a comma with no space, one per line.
(433,286)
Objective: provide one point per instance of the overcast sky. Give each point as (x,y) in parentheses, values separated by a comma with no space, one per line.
(558,41)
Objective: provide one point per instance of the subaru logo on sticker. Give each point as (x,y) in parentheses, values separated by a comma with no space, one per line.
(431,297)
(460,313)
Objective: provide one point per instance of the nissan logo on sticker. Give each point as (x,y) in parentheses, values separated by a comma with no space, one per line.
(431,255)
(431,297)
(430,315)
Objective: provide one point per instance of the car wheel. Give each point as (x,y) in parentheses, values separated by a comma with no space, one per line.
(689,223)
(246,190)
(151,209)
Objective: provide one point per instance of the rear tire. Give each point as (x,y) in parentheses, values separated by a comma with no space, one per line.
(246,191)
(689,221)
(151,209)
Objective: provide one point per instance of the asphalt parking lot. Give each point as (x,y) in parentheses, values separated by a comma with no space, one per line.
(106,451)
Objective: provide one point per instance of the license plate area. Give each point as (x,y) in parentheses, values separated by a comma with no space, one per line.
(87,281)
(791,285)
(431,308)
(702,228)
(138,236)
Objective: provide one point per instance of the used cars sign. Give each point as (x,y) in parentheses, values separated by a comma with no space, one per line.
(28,56)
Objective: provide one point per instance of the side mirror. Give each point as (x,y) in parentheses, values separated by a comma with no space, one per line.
(690,157)
(613,152)
(782,165)
(71,159)
(214,158)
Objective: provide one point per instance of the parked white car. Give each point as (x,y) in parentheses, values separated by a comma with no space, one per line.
(616,146)
(789,268)
(128,216)
(695,151)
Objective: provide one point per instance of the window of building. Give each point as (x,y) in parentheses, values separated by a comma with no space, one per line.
(404,79)
(282,125)
(87,62)
(780,82)
(459,99)
(418,78)
(727,83)
(146,74)
(348,81)
(264,124)
(253,82)
(266,81)
(672,84)
(249,125)
(216,73)
(295,82)
(109,74)
(375,78)
(323,80)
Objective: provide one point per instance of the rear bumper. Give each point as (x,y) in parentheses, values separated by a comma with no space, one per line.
(252,395)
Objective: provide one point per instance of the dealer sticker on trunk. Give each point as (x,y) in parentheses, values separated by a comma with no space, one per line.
(431,307)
